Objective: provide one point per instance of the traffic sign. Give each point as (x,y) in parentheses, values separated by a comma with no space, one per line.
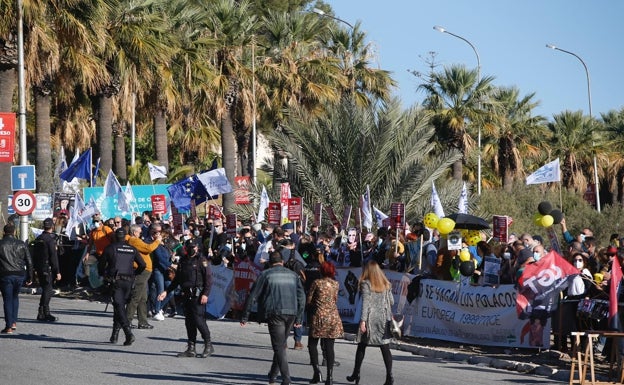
(23,178)
(24,202)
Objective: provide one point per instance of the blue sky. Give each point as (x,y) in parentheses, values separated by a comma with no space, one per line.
(511,38)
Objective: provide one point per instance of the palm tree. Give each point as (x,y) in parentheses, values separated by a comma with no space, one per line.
(334,156)
(458,103)
(572,136)
(613,123)
(515,134)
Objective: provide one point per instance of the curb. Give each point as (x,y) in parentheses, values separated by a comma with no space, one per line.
(477,360)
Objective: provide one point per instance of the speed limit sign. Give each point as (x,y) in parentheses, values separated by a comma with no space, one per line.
(24,202)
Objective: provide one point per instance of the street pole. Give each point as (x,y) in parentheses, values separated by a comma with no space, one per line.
(254,139)
(589,99)
(443,30)
(322,13)
(22,105)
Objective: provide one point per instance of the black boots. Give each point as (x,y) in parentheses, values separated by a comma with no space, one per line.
(389,380)
(115,336)
(317,377)
(129,336)
(330,376)
(189,352)
(44,314)
(208,350)
(355,377)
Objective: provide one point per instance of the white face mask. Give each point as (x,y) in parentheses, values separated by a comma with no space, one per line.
(578,264)
(97,225)
(537,256)
(507,255)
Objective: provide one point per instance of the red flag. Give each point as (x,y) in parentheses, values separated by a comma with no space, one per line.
(541,283)
(614,285)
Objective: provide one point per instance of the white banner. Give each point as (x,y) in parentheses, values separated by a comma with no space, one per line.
(221,293)
(479,315)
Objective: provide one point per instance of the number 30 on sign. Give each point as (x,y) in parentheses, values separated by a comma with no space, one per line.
(24,202)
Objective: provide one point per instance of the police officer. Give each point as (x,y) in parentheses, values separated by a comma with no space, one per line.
(119,273)
(45,261)
(195,279)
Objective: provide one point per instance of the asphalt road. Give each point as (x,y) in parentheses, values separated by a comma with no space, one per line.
(75,351)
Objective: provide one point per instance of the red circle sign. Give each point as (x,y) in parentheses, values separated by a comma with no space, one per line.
(24,202)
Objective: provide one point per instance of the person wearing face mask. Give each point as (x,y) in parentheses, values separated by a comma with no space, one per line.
(100,237)
(538,252)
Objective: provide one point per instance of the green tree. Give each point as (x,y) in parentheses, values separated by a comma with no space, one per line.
(458,102)
(333,157)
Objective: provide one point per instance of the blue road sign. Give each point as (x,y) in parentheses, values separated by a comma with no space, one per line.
(23,178)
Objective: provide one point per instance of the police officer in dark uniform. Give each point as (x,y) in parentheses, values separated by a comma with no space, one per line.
(195,279)
(120,258)
(46,263)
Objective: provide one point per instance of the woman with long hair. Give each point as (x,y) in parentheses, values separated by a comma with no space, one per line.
(377,304)
(325,322)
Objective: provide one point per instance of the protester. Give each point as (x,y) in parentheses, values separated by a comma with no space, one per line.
(15,269)
(46,265)
(119,258)
(138,299)
(324,321)
(281,301)
(376,311)
(194,277)
(161,261)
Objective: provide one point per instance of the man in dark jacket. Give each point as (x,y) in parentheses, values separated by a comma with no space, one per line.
(119,259)
(281,301)
(15,268)
(45,260)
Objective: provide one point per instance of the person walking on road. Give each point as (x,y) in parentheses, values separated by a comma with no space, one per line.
(15,269)
(324,321)
(373,330)
(46,264)
(194,277)
(119,259)
(279,294)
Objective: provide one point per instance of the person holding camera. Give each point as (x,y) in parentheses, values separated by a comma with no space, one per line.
(194,277)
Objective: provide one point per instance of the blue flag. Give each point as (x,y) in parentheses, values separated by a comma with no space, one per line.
(81,168)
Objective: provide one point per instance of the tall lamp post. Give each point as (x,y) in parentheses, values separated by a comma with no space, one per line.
(590,116)
(443,30)
(322,13)
(24,227)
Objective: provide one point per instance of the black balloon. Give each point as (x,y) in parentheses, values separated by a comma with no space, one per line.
(467,268)
(557,216)
(544,208)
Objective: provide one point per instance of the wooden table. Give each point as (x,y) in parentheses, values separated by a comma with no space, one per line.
(583,359)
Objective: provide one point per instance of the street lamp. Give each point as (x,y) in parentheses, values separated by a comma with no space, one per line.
(322,13)
(24,227)
(443,30)
(590,115)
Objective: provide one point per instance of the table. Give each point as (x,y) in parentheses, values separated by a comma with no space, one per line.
(583,360)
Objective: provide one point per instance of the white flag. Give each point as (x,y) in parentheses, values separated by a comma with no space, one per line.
(367,216)
(111,186)
(462,207)
(380,216)
(215,181)
(156,172)
(550,172)
(264,204)
(124,203)
(436,204)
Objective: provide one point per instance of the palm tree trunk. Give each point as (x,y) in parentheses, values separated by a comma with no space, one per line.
(228,149)
(160,138)
(8,84)
(42,134)
(458,170)
(508,181)
(120,156)
(105,133)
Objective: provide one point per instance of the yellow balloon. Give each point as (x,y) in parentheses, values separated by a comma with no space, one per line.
(537,219)
(446,225)
(473,240)
(464,255)
(431,220)
(547,220)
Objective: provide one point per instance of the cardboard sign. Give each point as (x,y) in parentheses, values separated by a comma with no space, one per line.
(500,228)
(318,214)
(159,204)
(213,212)
(7,136)
(274,213)
(242,185)
(397,215)
(295,208)
(230,225)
